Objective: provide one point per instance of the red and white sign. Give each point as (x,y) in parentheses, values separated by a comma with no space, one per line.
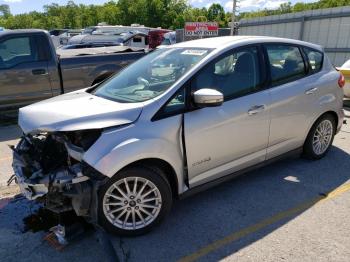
(201,29)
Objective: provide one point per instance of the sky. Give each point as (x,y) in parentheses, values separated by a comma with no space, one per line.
(23,6)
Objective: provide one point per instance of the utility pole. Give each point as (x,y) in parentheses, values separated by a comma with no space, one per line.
(233,17)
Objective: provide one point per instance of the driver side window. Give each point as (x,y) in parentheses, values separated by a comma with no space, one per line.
(16,50)
(235,74)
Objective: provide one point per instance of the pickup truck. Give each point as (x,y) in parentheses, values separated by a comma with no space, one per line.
(31,70)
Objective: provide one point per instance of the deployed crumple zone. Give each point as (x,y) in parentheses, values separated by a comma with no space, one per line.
(49,168)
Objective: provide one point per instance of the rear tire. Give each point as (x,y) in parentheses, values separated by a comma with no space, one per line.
(320,137)
(134,201)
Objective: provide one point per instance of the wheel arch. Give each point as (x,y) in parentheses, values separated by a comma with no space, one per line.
(168,170)
(332,113)
(329,112)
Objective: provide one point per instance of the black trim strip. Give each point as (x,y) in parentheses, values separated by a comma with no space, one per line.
(185,165)
(337,50)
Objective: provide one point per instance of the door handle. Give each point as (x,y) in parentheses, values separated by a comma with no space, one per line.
(39,72)
(311,91)
(256,109)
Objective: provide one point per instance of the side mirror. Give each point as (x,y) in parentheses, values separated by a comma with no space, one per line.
(208,97)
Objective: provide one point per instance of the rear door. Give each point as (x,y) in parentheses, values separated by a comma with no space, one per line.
(294,90)
(221,140)
(24,74)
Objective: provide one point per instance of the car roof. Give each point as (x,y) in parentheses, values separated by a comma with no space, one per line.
(21,31)
(25,31)
(225,41)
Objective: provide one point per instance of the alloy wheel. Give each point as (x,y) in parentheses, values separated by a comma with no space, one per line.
(322,137)
(132,203)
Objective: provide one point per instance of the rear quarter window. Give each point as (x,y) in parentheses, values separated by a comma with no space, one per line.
(315,59)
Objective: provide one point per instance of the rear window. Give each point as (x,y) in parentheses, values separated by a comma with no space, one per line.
(315,59)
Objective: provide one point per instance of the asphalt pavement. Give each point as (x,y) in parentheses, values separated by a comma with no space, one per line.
(292,210)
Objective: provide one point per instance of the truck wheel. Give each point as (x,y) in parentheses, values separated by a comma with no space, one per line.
(134,201)
(320,137)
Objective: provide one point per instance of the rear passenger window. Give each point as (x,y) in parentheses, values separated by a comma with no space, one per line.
(235,74)
(315,59)
(286,63)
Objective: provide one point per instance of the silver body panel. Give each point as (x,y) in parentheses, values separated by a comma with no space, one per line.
(218,140)
(76,111)
(293,111)
(236,140)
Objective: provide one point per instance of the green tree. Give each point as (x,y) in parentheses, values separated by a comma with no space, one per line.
(217,13)
(70,15)
(5,11)
(285,8)
(110,13)
(165,13)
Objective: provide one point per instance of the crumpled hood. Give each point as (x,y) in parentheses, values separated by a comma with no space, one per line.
(76,111)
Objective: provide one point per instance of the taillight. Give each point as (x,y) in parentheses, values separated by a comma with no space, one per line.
(341,81)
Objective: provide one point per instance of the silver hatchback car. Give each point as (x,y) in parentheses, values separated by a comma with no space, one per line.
(177,121)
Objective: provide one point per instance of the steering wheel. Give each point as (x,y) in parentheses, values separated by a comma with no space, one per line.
(143,82)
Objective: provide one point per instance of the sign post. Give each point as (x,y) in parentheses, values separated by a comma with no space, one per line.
(201,29)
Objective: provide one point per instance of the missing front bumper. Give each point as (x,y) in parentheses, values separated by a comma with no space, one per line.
(30,189)
(62,188)
(38,185)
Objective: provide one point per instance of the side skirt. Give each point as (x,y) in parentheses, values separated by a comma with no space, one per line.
(197,189)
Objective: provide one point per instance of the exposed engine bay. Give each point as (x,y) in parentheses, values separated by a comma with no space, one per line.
(49,169)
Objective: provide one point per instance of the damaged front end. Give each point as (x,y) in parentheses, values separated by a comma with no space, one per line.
(49,168)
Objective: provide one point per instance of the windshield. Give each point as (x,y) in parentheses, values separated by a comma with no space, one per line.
(150,76)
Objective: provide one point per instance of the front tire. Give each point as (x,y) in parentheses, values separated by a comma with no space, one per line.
(320,137)
(134,201)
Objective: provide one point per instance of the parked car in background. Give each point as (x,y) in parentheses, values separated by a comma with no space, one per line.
(151,40)
(87,45)
(178,120)
(156,37)
(345,69)
(169,38)
(64,37)
(132,39)
(117,29)
(61,36)
(57,32)
(30,69)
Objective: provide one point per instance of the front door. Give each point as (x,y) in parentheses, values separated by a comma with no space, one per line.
(24,77)
(224,139)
